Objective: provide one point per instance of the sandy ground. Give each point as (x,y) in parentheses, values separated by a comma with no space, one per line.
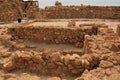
(55,47)
(63,23)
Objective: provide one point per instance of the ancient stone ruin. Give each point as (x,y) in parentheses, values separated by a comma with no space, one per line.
(60,46)
(73,12)
(30,10)
(94,40)
(11,10)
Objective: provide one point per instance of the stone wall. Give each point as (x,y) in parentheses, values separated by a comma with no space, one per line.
(106,40)
(101,55)
(52,63)
(107,46)
(76,12)
(10,10)
(50,34)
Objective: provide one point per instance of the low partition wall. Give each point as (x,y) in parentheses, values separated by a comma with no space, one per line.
(52,63)
(50,34)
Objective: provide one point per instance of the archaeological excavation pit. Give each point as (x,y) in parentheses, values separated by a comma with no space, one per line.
(62,51)
(69,57)
(59,42)
(54,34)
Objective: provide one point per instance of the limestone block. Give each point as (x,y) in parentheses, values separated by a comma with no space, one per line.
(9,66)
(106,64)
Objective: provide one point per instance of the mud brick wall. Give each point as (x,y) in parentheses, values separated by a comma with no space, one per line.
(59,35)
(72,12)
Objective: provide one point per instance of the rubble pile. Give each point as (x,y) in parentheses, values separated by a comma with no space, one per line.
(50,34)
(76,12)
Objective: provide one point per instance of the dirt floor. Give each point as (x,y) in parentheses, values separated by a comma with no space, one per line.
(63,23)
(6,54)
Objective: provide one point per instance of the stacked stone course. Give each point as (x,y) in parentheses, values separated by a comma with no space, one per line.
(106,40)
(77,12)
(52,63)
(106,46)
(101,53)
(50,34)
